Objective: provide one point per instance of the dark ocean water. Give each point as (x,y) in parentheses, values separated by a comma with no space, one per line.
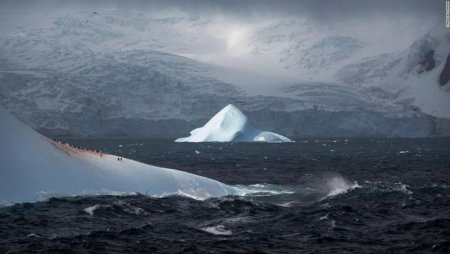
(312,196)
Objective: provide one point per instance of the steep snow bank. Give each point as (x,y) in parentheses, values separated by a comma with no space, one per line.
(32,166)
(230,124)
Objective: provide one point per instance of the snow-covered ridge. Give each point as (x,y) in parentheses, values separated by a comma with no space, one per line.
(84,73)
(33,166)
(228,125)
(410,77)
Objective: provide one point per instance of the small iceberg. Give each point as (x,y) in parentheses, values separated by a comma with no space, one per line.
(231,125)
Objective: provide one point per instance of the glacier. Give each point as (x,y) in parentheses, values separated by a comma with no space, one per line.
(85,74)
(34,167)
(231,125)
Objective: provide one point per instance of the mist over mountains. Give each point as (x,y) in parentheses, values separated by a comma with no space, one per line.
(159,70)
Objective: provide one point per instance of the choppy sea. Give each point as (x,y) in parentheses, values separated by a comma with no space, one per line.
(311,196)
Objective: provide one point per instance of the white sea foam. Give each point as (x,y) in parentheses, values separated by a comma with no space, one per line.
(217,230)
(404,188)
(325,217)
(263,190)
(34,235)
(91,209)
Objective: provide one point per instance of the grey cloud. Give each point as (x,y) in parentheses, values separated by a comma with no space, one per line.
(321,10)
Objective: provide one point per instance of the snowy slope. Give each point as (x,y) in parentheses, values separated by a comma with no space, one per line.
(33,166)
(410,77)
(85,74)
(403,73)
(228,125)
(100,67)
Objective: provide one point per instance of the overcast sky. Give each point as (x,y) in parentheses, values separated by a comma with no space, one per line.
(317,9)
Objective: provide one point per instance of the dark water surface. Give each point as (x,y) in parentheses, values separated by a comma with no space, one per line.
(312,196)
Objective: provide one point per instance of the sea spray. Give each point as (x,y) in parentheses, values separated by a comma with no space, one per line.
(338,185)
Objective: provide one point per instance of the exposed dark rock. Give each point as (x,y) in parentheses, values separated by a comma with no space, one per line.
(445,74)
(428,62)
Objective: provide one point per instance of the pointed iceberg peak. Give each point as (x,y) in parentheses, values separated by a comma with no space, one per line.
(231,125)
(230,113)
(232,108)
(229,118)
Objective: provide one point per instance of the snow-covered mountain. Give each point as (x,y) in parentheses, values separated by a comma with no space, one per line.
(231,125)
(34,166)
(122,73)
(60,78)
(417,76)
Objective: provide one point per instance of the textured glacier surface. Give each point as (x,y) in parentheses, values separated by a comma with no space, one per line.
(86,74)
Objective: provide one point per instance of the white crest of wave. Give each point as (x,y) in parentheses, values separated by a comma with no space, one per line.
(91,209)
(263,190)
(338,185)
(218,230)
